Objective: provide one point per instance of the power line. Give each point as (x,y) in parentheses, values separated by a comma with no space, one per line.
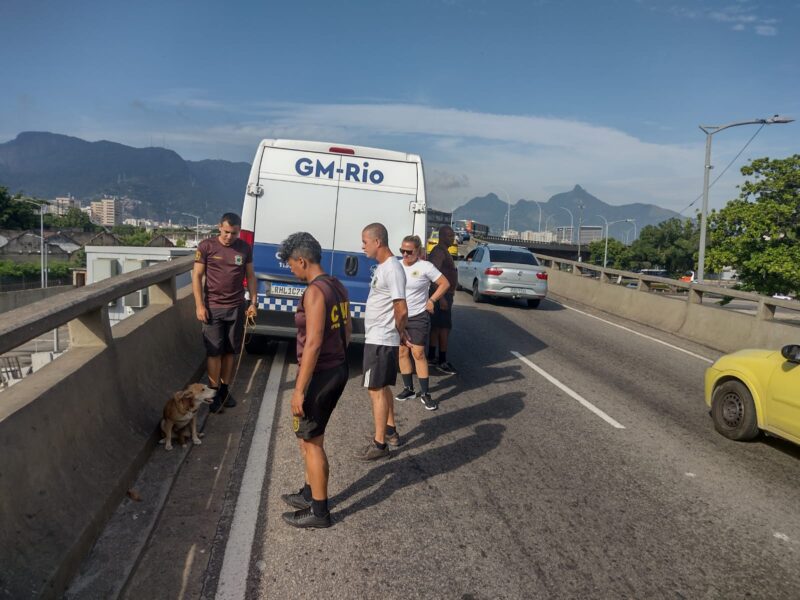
(726,168)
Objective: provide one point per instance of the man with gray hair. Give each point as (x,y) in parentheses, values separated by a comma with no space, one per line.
(385,325)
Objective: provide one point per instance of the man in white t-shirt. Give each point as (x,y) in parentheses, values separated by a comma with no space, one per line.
(420,275)
(385,325)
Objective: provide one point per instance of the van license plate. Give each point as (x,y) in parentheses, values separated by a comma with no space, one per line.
(293,291)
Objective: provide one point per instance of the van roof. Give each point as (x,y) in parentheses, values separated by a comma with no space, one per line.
(325,147)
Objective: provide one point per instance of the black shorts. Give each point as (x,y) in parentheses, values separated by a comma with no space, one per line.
(443,319)
(418,328)
(224,330)
(380,366)
(323,393)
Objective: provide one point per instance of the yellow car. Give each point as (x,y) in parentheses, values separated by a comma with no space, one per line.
(754,390)
(434,239)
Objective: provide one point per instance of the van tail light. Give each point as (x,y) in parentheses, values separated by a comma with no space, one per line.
(493,271)
(541,276)
(339,150)
(249,237)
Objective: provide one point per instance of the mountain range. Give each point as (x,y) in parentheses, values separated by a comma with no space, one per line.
(47,165)
(585,208)
(164,185)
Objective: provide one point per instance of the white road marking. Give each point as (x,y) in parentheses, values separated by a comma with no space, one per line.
(219,471)
(629,330)
(585,403)
(253,375)
(236,562)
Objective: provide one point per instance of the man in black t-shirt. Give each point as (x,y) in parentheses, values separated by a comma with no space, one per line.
(220,266)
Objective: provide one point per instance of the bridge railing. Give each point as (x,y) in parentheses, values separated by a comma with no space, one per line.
(693,293)
(86,308)
(75,433)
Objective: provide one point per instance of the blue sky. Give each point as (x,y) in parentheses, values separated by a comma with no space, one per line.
(525,99)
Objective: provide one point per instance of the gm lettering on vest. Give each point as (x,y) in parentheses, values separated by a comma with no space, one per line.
(352,172)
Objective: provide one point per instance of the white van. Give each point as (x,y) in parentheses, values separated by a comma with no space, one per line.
(331,191)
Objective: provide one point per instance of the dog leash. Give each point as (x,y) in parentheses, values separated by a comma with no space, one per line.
(250,324)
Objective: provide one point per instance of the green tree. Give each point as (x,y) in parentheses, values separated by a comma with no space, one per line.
(757,233)
(180,242)
(15,213)
(616,250)
(74,218)
(139,237)
(670,245)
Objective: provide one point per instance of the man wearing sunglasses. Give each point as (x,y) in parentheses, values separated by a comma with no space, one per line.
(420,275)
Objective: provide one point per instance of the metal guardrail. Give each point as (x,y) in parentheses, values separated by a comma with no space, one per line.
(86,308)
(765,305)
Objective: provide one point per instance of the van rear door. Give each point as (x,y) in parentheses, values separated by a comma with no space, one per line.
(371,190)
(292,201)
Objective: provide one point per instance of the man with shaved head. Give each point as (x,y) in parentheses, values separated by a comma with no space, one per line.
(384,325)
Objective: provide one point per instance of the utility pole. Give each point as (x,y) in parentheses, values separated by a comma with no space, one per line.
(580,225)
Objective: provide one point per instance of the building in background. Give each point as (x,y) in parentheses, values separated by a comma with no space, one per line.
(538,236)
(60,206)
(106,212)
(590,233)
(103,262)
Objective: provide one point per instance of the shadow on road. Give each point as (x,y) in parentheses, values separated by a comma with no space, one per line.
(414,469)
(411,469)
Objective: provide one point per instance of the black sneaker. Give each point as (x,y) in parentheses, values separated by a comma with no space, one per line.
(371,452)
(405,394)
(296,500)
(306,519)
(447,368)
(230,401)
(216,405)
(428,402)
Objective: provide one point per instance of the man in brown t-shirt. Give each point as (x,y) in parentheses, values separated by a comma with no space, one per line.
(220,266)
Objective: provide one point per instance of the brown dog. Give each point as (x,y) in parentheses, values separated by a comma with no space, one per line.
(180,414)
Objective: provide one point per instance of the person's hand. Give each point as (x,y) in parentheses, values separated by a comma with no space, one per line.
(429,306)
(251,311)
(443,303)
(405,339)
(202,314)
(298,398)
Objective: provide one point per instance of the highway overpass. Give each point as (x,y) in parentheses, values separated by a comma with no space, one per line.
(571,457)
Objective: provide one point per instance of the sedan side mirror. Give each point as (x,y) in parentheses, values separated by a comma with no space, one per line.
(791,353)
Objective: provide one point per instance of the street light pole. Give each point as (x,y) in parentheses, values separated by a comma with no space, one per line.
(540,215)
(605,252)
(710,130)
(571,223)
(197,228)
(508,211)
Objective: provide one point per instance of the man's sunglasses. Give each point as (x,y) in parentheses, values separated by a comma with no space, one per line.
(404,251)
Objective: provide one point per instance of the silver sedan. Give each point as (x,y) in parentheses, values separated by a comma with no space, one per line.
(500,271)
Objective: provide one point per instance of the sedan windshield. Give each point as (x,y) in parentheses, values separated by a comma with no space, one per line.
(510,256)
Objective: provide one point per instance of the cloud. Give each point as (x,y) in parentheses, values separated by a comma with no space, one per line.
(742,14)
(442,180)
(467,153)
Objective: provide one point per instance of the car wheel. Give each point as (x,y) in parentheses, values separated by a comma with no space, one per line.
(733,411)
(256,344)
(533,302)
(476,294)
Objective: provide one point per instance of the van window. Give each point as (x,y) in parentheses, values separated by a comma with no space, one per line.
(513,257)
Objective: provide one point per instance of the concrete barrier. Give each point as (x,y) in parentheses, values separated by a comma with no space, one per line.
(12,300)
(716,327)
(74,434)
